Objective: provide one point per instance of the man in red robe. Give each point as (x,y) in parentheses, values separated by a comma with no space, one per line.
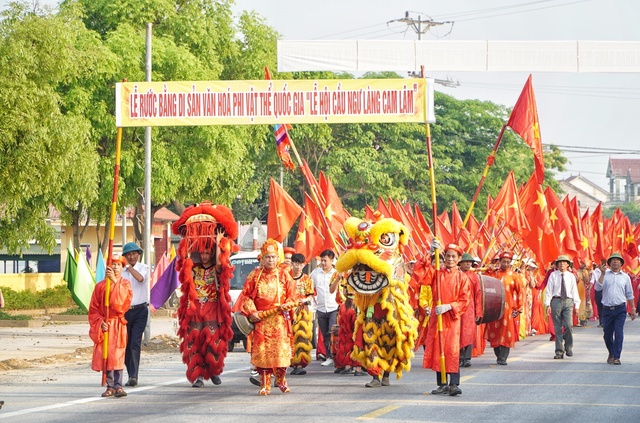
(450,287)
(501,334)
(108,322)
(468,327)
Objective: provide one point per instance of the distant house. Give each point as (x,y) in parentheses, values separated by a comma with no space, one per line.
(624,180)
(586,192)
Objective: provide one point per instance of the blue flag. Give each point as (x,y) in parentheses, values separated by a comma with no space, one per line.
(101,267)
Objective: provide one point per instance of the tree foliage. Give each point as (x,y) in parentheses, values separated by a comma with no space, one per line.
(57,127)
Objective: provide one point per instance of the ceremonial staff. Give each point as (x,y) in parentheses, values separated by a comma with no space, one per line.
(490,161)
(312,187)
(112,225)
(434,214)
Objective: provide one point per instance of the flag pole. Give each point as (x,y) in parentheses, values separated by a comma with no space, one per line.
(434,213)
(112,225)
(314,195)
(490,161)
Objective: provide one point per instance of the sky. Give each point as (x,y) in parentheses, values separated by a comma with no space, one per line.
(594,112)
(590,116)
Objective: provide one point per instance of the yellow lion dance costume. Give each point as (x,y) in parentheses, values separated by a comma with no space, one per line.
(385,329)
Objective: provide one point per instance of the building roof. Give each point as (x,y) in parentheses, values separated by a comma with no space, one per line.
(619,168)
(165,214)
(634,175)
(570,180)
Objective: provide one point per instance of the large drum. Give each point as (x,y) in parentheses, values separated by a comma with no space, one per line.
(492,299)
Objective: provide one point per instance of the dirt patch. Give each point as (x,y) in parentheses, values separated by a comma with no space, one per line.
(162,343)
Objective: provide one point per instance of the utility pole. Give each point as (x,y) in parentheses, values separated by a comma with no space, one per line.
(421,26)
(417,24)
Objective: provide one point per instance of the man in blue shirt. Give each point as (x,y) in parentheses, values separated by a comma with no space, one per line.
(616,294)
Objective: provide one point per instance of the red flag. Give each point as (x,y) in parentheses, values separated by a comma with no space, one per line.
(314,186)
(333,211)
(456,220)
(507,206)
(597,226)
(309,240)
(524,121)
(368,213)
(422,223)
(382,208)
(283,212)
(540,240)
(561,223)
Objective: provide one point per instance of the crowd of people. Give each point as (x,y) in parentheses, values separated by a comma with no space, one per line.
(453,320)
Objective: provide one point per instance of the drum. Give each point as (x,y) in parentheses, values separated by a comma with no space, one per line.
(492,299)
(243,323)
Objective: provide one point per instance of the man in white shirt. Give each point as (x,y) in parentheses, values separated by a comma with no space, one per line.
(327,307)
(617,295)
(138,274)
(562,295)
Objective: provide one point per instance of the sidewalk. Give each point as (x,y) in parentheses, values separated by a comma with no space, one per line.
(62,338)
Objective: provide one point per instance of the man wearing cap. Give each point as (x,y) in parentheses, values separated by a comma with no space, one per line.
(501,334)
(468,327)
(451,289)
(616,294)
(138,274)
(562,296)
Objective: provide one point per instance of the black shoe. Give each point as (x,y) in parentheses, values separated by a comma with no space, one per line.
(198,384)
(132,382)
(348,371)
(569,353)
(358,373)
(441,390)
(558,356)
(466,363)
(502,362)
(295,371)
(338,370)
(301,372)
(454,390)
(216,380)
(255,380)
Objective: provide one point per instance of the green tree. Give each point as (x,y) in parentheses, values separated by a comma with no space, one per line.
(46,155)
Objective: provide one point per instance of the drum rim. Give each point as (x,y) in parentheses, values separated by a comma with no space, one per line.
(243,323)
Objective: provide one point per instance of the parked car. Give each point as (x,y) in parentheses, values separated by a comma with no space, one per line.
(245,262)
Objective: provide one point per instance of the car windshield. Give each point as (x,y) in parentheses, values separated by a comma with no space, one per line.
(243,267)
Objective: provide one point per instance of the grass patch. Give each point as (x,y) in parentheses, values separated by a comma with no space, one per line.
(5,316)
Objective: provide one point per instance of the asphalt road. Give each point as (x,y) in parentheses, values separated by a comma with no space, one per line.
(533,387)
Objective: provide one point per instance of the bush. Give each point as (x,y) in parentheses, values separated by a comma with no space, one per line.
(5,316)
(58,296)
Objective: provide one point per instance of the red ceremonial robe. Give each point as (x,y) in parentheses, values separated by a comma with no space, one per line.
(454,286)
(119,303)
(503,332)
(468,327)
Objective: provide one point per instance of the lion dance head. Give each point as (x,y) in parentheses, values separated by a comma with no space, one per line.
(385,329)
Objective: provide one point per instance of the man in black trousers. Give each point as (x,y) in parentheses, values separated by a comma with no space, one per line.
(138,274)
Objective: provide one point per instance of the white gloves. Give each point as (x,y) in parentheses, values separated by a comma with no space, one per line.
(442,308)
(435,245)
